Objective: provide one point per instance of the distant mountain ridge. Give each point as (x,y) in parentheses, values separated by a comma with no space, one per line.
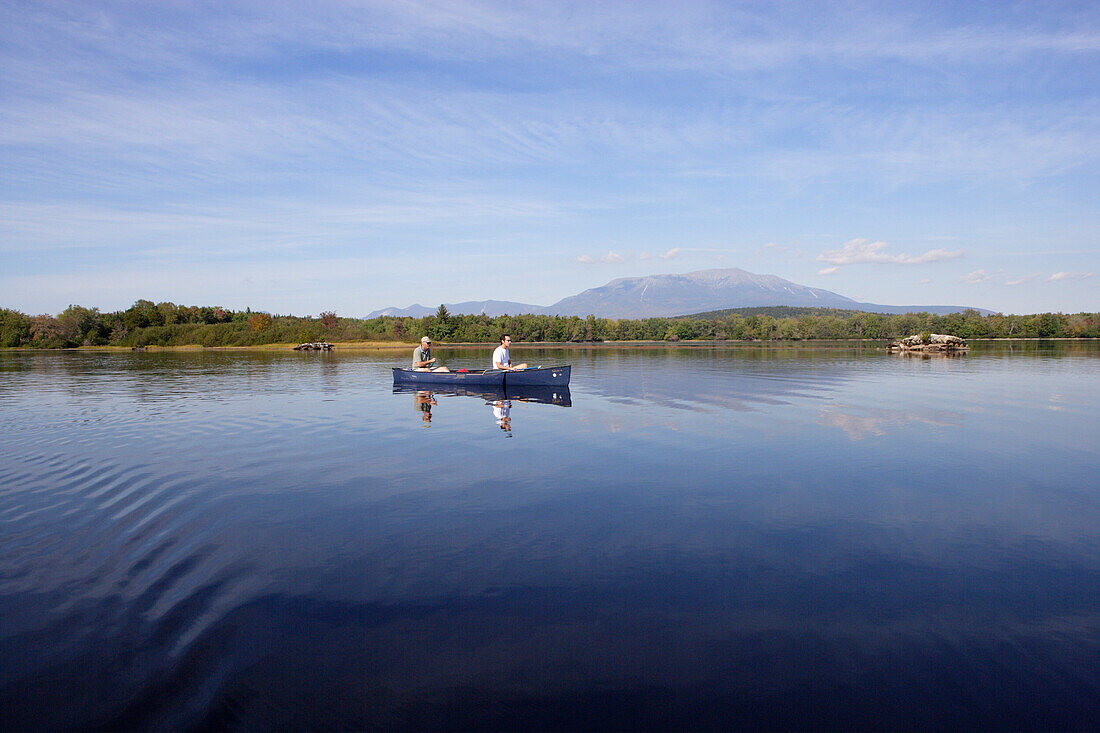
(675,295)
(490,308)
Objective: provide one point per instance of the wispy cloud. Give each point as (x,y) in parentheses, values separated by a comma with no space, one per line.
(143,131)
(614,258)
(610,258)
(864,251)
(981,276)
(1064,276)
(775,249)
(976,276)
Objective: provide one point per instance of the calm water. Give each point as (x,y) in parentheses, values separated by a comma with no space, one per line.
(693,538)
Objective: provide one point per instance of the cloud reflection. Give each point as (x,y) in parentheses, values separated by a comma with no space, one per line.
(862,423)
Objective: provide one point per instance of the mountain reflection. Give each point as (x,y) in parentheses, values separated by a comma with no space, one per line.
(720,383)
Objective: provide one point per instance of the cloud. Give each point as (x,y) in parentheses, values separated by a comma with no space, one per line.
(1062,276)
(340,128)
(924,281)
(614,258)
(981,276)
(610,258)
(828,271)
(772,248)
(975,277)
(864,251)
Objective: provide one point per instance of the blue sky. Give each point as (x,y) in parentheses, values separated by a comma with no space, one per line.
(300,157)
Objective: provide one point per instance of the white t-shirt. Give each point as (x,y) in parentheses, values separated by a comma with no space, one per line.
(500,356)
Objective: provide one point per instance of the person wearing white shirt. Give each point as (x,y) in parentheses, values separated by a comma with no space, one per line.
(501,359)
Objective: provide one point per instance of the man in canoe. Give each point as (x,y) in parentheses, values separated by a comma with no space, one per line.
(423,361)
(501,359)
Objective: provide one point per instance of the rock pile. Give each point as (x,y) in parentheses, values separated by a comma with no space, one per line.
(929,343)
(317,346)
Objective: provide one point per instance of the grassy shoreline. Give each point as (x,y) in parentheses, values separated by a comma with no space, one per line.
(461,345)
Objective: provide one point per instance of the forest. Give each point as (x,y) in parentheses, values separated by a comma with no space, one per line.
(146,323)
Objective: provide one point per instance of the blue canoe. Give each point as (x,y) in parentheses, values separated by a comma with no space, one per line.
(551,376)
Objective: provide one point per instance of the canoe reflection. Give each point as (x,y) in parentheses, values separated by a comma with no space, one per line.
(545,395)
(499,399)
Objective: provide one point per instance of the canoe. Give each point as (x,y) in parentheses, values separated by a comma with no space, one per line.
(479,377)
(542,394)
(551,376)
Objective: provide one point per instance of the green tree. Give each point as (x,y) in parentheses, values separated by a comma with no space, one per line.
(15,328)
(1049,326)
(79,325)
(309,334)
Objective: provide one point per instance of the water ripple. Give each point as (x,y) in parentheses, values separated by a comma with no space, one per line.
(240,540)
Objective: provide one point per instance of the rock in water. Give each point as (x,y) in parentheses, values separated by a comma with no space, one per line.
(929,344)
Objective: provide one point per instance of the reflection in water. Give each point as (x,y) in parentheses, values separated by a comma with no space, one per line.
(499,400)
(863,423)
(707,539)
(560,396)
(716,381)
(502,413)
(423,402)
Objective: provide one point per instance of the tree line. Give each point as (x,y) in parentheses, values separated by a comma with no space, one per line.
(166,324)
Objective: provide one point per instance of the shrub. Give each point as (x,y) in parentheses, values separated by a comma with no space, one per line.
(259,322)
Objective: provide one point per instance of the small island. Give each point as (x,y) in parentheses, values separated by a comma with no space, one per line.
(929,343)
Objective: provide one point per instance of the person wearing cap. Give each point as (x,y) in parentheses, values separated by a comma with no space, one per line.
(423,360)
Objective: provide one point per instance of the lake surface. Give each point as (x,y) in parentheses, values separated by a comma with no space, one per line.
(691,538)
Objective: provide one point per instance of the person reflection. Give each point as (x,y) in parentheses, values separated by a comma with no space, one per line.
(502,413)
(423,403)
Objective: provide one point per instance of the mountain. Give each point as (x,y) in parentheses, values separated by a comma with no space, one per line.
(671,295)
(490,308)
(674,295)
